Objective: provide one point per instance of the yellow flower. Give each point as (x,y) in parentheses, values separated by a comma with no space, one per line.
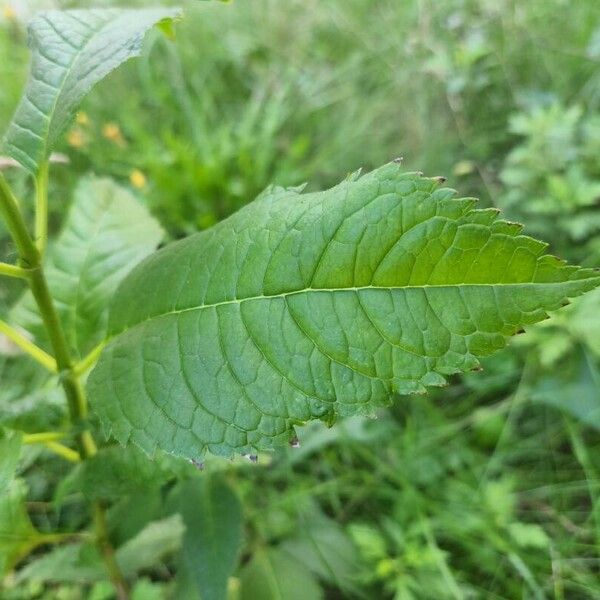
(112,132)
(82,118)
(9,13)
(76,138)
(138,179)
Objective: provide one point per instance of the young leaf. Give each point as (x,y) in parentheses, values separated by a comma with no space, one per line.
(106,234)
(212,515)
(71,52)
(315,306)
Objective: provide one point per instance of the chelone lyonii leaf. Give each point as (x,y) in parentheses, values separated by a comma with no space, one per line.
(71,51)
(304,306)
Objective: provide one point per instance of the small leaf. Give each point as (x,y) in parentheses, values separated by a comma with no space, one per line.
(72,50)
(106,234)
(212,515)
(272,575)
(315,306)
(18,537)
(10,448)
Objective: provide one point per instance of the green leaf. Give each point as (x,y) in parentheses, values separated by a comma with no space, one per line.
(79,563)
(326,550)
(156,541)
(71,51)
(111,474)
(18,537)
(10,449)
(82,563)
(315,306)
(105,235)
(574,390)
(212,515)
(272,575)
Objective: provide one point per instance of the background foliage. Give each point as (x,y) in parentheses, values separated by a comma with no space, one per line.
(487,489)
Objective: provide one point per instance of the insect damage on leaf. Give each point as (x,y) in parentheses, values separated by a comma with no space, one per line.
(314,306)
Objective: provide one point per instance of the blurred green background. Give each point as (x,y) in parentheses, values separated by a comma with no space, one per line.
(489,488)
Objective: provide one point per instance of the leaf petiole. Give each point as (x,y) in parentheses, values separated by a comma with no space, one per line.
(63,451)
(87,362)
(13,271)
(28,347)
(43,437)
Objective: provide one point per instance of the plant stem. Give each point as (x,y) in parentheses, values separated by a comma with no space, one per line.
(28,347)
(63,451)
(10,211)
(87,362)
(41,207)
(43,437)
(108,553)
(13,271)
(31,257)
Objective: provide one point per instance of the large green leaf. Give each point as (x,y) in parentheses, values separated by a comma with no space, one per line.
(105,235)
(212,514)
(71,52)
(314,306)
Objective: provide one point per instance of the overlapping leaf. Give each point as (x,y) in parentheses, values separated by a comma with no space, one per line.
(106,234)
(316,306)
(71,52)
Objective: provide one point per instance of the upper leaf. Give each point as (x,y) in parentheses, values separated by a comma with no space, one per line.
(71,52)
(106,234)
(313,306)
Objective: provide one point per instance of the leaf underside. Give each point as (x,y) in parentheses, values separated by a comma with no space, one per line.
(314,306)
(71,50)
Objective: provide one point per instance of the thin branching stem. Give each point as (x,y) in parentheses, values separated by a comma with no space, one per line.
(87,362)
(43,437)
(13,271)
(31,258)
(22,342)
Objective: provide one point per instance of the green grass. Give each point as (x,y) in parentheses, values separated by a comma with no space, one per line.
(489,488)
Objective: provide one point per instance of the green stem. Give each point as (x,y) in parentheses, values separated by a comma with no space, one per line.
(41,207)
(63,451)
(28,347)
(10,211)
(108,553)
(43,437)
(31,257)
(87,362)
(13,271)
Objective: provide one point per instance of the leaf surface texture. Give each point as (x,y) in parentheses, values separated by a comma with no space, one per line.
(314,306)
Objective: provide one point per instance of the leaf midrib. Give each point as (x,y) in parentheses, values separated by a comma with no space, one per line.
(309,290)
(68,70)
